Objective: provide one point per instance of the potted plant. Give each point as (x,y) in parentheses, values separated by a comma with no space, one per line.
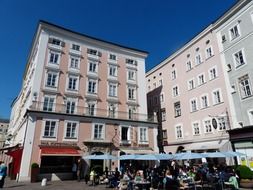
(246,176)
(35,170)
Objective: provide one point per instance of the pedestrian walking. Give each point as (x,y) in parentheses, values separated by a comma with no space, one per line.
(3,173)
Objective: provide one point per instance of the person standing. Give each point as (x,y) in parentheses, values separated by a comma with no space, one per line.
(3,173)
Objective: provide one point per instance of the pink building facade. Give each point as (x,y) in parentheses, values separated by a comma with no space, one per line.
(80,96)
(187,91)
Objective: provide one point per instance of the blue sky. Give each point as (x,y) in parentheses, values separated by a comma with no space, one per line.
(156,26)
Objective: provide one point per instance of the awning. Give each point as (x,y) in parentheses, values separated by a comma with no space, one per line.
(55,151)
(140,151)
(16,160)
(214,145)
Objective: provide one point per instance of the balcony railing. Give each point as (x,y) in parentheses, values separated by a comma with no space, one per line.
(93,112)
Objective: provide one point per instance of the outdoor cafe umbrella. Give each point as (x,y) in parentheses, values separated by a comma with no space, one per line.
(128,157)
(232,154)
(148,157)
(88,157)
(215,155)
(188,156)
(100,157)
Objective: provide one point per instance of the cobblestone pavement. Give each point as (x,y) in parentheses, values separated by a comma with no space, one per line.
(54,185)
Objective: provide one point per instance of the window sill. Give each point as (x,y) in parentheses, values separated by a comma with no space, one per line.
(218,103)
(194,111)
(246,97)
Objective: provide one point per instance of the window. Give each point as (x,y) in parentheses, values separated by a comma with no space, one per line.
(143,135)
(204,101)
(125,134)
(74,62)
(54,58)
(50,129)
(92,51)
(216,97)
(131,75)
(173,75)
(194,105)
(70,105)
(131,62)
(98,131)
(201,79)
(71,130)
(179,132)
(92,86)
(73,83)
(191,84)
(55,41)
(91,108)
(188,65)
(198,59)
(93,67)
(160,82)
(239,59)
(164,132)
(234,32)
(196,129)
(175,91)
(163,113)
(161,97)
(131,93)
(250,114)
(131,112)
(177,109)
(112,57)
(48,104)
(112,110)
(209,52)
(213,73)
(245,87)
(52,79)
(75,47)
(208,126)
(112,70)
(113,89)
(222,123)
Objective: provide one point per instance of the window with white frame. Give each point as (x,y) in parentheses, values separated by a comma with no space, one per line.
(179,132)
(131,62)
(175,91)
(164,132)
(112,110)
(163,114)
(52,79)
(213,73)
(75,47)
(194,105)
(112,89)
(48,104)
(234,32)
(70,105)
(222,123)
(217,97)
(131,75)
(162,97)
(112,57)
(131,93)
(125,134)
(113,70)
(54,57)
(191,84)
(50,129)
(55,41)
(161,82)
(198,59)
(245,86)
(71,130)
(201,79)
(209,52)
(131,112)
(74,62)
(93,66)
(73,82)
(91,105)
(204,101)
(250,114)
(173,75)
(143,131)
(239,59)
(92,86)
(196,128)
(188,65)
(177,109)
(208,126)
(92,51)
(98,131)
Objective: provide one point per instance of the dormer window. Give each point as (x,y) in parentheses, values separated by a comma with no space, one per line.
(75,47)
(92,51)
(56,42)
(112,57)
(131,62)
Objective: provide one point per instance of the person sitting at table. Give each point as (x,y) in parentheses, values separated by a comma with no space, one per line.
(233,182)
(138,177)
(169,182)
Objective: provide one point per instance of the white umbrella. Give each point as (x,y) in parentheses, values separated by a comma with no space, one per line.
(165,156)
(128,157)
(214,155)
(188,156)
(100,157)
(148,157)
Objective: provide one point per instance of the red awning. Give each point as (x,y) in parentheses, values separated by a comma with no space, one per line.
(16,160)
(55,151)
